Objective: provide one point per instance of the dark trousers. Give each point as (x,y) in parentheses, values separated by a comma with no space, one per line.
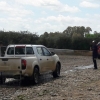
(95,63)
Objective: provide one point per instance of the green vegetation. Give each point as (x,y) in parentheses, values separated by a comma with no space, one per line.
(77,38)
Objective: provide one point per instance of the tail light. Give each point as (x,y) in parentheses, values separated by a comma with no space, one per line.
(23,64)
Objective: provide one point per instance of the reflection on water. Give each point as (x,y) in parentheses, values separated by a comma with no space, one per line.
(9,79)
(69,71)
(79,67)
(84,67)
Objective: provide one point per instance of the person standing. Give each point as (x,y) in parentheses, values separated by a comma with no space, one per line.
(1,44)
(94,53)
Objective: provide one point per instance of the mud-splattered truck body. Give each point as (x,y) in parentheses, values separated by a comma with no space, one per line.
(28,61)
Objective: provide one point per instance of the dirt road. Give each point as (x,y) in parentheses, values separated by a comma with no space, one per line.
(78,81)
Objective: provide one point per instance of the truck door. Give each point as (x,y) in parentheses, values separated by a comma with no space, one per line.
(49,59)
(41,59)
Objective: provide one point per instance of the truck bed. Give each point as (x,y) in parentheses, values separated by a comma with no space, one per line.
(10,66)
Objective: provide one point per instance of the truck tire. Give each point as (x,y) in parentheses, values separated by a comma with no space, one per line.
(56,73)
(35,75)
(2,80)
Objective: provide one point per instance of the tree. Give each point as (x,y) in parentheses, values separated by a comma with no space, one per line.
(87,30)
(76,29)
(68,31)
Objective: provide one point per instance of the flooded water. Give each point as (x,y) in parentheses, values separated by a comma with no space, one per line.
(48,77)
(84,67)
(79,68)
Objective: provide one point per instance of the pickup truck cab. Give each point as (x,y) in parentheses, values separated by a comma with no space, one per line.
(28,61)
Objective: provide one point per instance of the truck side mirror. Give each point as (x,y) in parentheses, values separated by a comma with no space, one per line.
(52,53)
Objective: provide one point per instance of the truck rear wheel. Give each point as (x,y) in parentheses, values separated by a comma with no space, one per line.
(56,73)
(35,75)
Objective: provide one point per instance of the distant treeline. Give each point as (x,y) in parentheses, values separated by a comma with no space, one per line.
(77,38)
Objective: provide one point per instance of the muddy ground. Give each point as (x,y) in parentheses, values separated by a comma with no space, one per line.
(78,81)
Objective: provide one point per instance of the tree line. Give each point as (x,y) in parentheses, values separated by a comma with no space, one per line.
(76,37)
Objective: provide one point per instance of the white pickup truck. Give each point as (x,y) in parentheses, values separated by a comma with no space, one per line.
(28,61)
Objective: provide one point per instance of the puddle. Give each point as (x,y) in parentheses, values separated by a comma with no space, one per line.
(84,67)
(9,79)
(69,71)
(79,67)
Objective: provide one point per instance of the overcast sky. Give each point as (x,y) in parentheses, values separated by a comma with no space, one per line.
(48,15)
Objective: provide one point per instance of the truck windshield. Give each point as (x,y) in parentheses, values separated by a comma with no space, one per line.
(20,50)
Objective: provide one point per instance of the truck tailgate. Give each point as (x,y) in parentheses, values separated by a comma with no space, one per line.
(10,64)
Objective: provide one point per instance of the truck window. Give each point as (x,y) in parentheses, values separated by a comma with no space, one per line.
(39,50)
(46,52)
(10,51)
(29,50)
(20,50)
